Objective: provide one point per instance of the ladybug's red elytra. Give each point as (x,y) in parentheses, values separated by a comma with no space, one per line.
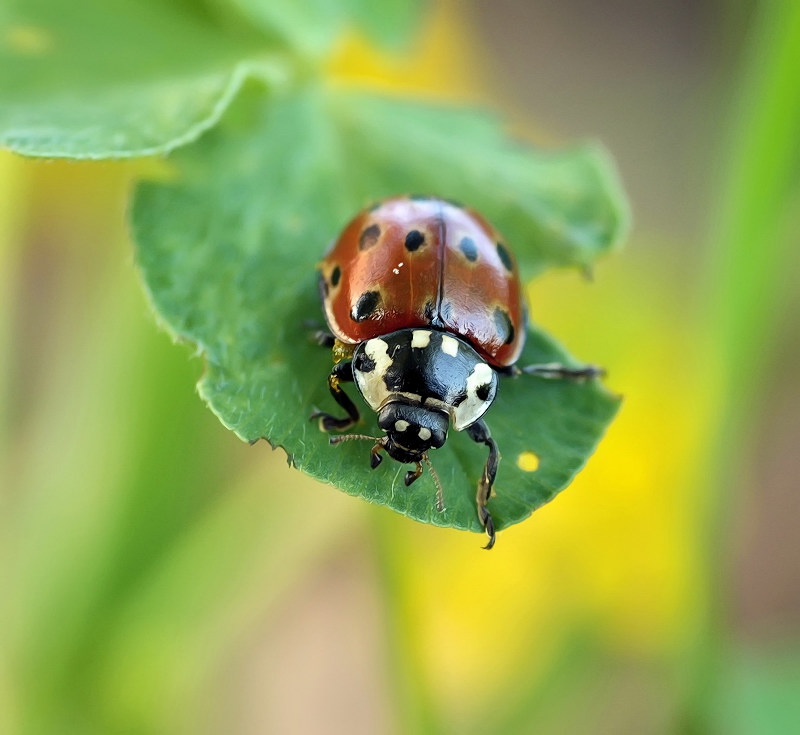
(425,307)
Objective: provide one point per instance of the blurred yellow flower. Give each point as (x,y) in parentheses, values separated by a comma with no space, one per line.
(440,60)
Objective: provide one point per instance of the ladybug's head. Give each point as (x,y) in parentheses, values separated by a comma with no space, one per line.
(411,430)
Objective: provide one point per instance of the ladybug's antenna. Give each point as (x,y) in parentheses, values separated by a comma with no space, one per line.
(375,455)
(435,476)
(351,437)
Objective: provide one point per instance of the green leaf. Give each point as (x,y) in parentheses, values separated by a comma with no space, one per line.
(313,26)
(228,257)
(310,26)
(387,23)
(115,78)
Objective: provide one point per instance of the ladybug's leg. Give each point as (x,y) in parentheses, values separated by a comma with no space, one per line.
(342,371)
(323,338)
(318,334)
(479,432)
(414,474)
(555,371)
(558,371)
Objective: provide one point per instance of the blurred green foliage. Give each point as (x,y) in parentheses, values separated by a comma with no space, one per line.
(120,78)
(750,282)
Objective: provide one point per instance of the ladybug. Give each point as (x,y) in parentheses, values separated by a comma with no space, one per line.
(425,309)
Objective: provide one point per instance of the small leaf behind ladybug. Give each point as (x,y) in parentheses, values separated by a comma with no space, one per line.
(228,256)
(562,207)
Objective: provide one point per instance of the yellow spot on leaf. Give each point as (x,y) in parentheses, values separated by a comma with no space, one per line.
(528,462)
(27,40)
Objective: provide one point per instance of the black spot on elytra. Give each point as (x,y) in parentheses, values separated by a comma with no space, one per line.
(336,274)
(365,306)
(414,239)
(469,248)
(504,326)
(363,363)
(369,237)
(483,391)
(505,256)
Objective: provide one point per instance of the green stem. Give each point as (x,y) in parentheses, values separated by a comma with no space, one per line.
(748,283)
(751,253)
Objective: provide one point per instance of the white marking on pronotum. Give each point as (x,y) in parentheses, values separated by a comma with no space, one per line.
(481,375)
(371,384)
(424,433)
(470,410)
(420,338)
(378,351)
(400,425)
(449,345)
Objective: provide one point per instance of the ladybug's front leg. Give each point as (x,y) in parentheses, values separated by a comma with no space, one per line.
(479,432)
(342,372)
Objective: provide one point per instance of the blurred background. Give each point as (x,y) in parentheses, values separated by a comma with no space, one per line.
(159,576)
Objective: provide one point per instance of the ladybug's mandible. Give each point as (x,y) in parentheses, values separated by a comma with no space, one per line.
(425,308)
